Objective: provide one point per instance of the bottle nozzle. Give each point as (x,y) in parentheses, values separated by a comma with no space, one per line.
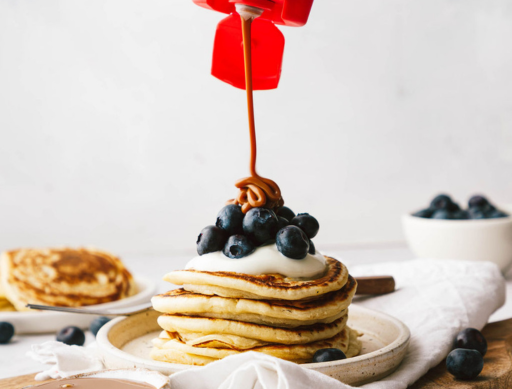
(248,11)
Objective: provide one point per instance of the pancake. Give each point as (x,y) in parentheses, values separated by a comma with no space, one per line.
(280,313)
(208,326)
(63,277)
(171,348)
(266,286)
(5,305)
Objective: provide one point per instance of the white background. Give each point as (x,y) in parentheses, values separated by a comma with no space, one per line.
(114,134)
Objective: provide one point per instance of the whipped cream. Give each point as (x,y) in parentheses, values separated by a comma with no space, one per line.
(264,260)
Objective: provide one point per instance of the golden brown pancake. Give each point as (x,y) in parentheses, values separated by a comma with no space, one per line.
(63,277)
(265,286)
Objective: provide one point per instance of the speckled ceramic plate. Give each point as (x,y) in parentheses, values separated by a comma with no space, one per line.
(126,342)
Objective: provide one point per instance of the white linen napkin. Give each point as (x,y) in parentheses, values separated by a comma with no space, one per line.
(64,360)
(435,299)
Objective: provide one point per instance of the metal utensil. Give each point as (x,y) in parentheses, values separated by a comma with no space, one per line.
(127,311)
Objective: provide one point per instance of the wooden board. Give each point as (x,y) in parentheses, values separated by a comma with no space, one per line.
(497,373)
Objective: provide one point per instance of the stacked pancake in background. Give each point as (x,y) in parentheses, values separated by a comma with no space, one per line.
(219,313)
(62,277)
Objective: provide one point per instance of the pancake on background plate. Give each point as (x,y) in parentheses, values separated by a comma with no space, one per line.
(63,277)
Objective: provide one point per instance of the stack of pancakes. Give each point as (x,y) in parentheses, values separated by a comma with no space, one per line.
(217,314)
(62,277)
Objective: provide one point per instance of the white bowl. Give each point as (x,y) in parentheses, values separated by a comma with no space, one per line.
(473,240)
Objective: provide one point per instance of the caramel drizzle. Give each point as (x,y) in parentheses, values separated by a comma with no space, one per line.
(254,191)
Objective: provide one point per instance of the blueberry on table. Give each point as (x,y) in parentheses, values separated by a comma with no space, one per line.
(260,225)
(238,246)
(282,222)
(442,214)
(477,201)
(71,336)
(292,242)
(97,323)
(464,364)
(328,354)
(306,223)
(6,332)
(211,239)
(230,219)
(424,213)
(441,201)
(471,339)
(285,212)
(312,249)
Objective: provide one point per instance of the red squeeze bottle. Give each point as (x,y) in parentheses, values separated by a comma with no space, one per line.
(267,41)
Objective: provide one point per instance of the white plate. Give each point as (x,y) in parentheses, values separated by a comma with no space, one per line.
(126,342)
(38,322)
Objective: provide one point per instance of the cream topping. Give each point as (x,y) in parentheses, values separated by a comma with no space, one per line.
(264,260)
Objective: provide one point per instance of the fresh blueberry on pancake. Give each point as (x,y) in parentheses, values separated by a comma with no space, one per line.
(260,225)
(328,354)
(6,332)
(97,323)
(282,222)
(471,339)
(211,239)
(312,249)
(285,212)
(238,246)
(230,219)
(306,223)
(292,242)
(464,364)
(424,213)
(71,336)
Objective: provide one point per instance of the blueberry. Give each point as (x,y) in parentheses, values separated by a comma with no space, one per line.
(424,213)
(477,201)
(476,213)
(312,249)
(453,207)
(285,212)
(497,214)
(441,201)
(306,223)
(260,225)
(238,246)
(292,242)
(464,364)
(6,332)
(471,339)
(211,239)
(282,222)
(98,323)
(230,219)
(71,335)
(328,354)
(461,215)
(442,214)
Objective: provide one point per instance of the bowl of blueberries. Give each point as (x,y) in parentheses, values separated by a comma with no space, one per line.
(444,230)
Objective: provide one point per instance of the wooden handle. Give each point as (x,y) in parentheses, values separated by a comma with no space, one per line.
(375,285)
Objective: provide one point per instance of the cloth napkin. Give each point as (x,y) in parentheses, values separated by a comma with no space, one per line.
(435,299)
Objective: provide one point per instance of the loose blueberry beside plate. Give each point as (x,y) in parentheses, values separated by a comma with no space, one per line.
(211,239)
(464,364)
(471,339)
(306,223)
(238,246)
(230,219)
(6,332)
(292,242)
(71,335)
(328,354)
(285,212)
(260,225)
(97,323)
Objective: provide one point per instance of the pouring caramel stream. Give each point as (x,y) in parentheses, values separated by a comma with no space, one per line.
(254,191)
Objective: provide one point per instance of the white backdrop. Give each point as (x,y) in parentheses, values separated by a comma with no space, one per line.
(114,134)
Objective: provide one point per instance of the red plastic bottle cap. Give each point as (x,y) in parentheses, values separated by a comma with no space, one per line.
(267,53)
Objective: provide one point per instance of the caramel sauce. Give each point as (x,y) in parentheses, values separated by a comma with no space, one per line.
(254,191)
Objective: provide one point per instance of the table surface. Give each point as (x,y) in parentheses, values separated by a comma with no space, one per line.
(14,362)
